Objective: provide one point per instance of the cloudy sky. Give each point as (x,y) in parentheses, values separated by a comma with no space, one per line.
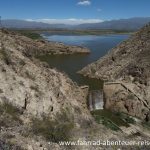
(73,11)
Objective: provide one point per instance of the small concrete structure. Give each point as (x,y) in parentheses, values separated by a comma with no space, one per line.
(95,100)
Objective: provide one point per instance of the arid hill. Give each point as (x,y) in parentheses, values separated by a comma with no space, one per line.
(39,104)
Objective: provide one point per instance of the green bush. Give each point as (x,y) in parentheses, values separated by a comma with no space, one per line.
(125,117)
(112,120)
(30,34)
(106,122)
(109,124)
(53,130)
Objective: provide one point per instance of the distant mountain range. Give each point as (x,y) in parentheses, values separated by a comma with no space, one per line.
(122,24)
(23,24)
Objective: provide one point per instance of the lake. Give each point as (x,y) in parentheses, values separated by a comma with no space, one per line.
(99,46)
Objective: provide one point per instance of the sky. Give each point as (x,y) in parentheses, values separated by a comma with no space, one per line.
(73,11)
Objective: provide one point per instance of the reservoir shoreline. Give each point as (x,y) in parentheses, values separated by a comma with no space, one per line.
(71,64)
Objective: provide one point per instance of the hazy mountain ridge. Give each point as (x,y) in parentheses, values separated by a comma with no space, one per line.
(14,23)
(122,24)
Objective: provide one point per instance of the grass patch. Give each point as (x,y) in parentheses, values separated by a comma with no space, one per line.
(55,130)
(111,120)
(30,34)
(108,123)
(125,117)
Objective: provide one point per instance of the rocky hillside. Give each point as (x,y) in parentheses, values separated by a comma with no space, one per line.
(28,83)
(127,66)
(40,106)
(30,89)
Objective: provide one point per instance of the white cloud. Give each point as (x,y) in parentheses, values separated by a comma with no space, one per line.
(70,21)
(84,3)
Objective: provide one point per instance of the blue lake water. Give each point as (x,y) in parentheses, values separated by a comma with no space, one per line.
(99,46)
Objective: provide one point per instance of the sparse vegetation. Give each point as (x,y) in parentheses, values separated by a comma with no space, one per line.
(30,34)
(105,121)
(22,62)
(131,97)
(128,119)
(81,32)
(146,124)
(112,120)
(55,130)
(4,55)
(11,110)
(109,124)
(9,115)
(8,146)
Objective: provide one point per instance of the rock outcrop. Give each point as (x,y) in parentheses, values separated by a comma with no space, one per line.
(122,97)
(29,84)
(129,64)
